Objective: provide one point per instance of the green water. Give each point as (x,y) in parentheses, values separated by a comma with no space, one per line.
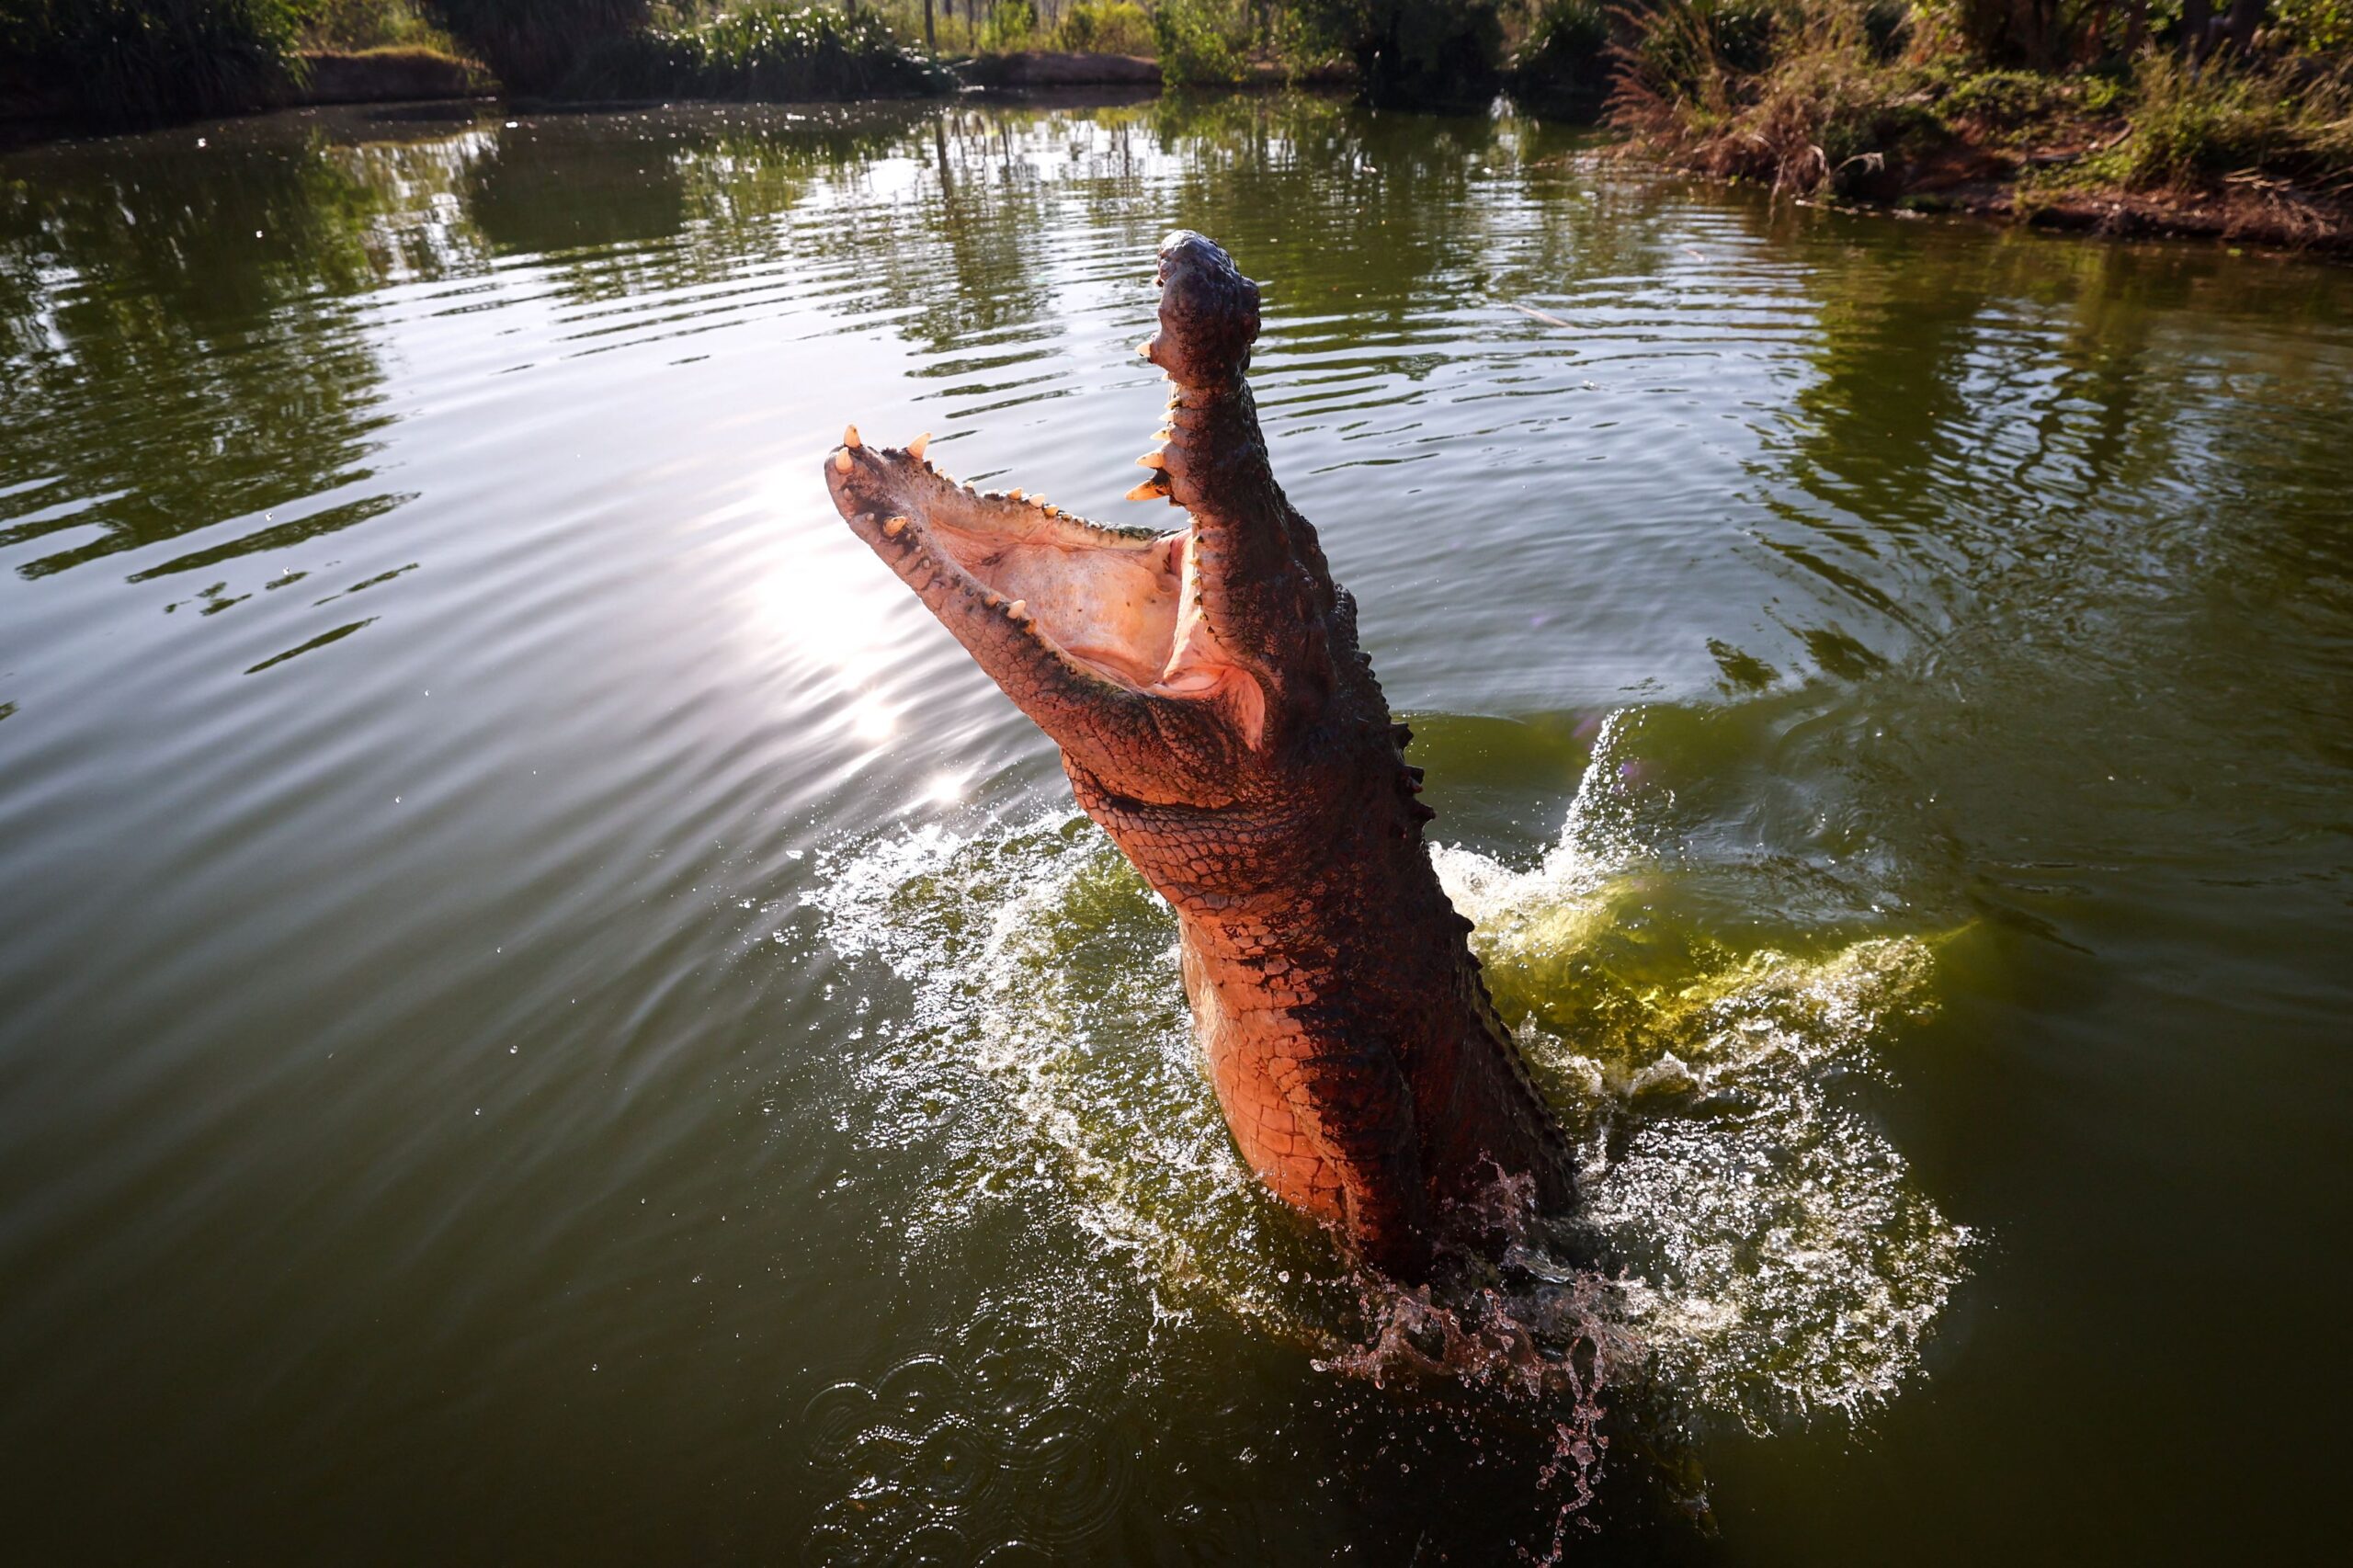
(548,1014)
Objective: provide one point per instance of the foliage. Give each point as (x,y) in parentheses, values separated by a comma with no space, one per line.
(1797,97)
(1010,25)
(2320,26)
(1201,42)
(1690,52)
(368,24)
(2042,34)
(765,51)
(145,61)
(2001,101)
(2193,125)
(1414,54)
(534,46)
(1805,93)
(1104,27)
(1563,63)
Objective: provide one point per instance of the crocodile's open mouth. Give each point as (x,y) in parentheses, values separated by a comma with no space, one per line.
(1121,605)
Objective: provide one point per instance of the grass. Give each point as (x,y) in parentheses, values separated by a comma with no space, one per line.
(1809,95)
(1796,100)
(363,27)
(2234,119)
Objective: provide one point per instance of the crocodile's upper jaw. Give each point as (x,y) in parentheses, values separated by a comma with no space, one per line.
(1020,581)
(1156,660)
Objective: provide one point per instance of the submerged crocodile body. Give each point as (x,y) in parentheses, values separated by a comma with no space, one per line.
(1217,717)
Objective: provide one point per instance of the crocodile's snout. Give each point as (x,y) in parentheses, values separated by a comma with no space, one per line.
(1208,314)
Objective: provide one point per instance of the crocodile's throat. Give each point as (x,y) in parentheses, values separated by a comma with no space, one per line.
(1216,715)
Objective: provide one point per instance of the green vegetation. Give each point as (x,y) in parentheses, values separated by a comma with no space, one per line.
(145,61)
(1416,53)
(1104,27)
(766,51)
(1564,65)
(2048,101)
(1201,42)
(2258,117)
(539,46)
(358,26)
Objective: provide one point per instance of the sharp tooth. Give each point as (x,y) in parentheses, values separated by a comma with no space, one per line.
(992,599)
(849,437)
(1150,490)
(1018,610)
(841,463)
(915,448)
(894,528)
(1152,460)
(1013,496)
(1144,350)
(1053,511)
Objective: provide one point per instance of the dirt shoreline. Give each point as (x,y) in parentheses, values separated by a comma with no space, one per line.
(1975,182)
(2269,217)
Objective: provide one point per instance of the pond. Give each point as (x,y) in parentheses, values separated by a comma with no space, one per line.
(553,1015)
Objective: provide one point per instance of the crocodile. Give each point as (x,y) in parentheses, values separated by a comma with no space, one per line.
(1217,717)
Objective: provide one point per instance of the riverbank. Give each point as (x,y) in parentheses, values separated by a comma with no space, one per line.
(2272,215)
(2071,183)
(2158,136)
(389,75)
(31,112)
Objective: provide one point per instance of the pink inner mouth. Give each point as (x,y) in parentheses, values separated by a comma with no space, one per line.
(1124,606)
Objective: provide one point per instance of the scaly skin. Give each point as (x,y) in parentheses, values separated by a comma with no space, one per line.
(1217,717)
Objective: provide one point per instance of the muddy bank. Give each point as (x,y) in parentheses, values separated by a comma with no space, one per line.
(2018,187)
(1034,68)
(388,75)
(2267,214)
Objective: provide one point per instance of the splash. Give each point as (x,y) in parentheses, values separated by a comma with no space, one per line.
(1778,1259)
(1768,1256)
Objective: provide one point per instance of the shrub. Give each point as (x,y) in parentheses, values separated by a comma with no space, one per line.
(1799,101)
(2043,35)
(1564,65)
(2320,26)
(2004,101)
(536,46)
(765,51)
(1010,25)
(145,61)
(367,23)
(1414,54)
(1200,42)
(1689,51)
(1104,27)
(2193,125)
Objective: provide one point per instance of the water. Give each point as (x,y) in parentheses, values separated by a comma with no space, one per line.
(551,1014)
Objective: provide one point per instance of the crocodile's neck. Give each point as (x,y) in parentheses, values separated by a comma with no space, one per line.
(1341,1015)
